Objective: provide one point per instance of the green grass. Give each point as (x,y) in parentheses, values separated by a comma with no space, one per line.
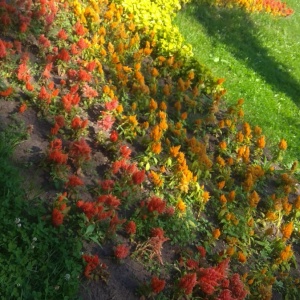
(259,57)
(37,261)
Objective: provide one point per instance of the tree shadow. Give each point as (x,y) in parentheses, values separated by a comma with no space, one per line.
(234,28)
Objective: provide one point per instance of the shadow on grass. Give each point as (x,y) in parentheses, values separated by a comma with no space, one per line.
(234,28)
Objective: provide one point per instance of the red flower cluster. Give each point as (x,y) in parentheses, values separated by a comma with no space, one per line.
(70,100)
(187,283)
(55,153)
(80,151)
(57,217)
(110,201)
(77,123)
(121,251)
(156,204)
(114,136)
(130,227)
(138,177)
(107,185)
(157,284)
(93,262)
(74,181)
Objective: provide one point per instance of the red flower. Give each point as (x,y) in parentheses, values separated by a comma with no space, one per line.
(121,251)
(237,287)
(201,250)
(74,181)
(80,150)
(57,217)
(47,70)
(44,95)
(138,177)
(125,151)
(55,129)
(157,284)
(84,76)
(187,283)
(62,35)
(58,157)
(2,49)
(6,92)
(60,120)
(29,86)
(76,122)
(130,227)
(113,136)
(82,44)
(156,204)
(22,73)
(63,55)
(158,232)
(91,66)
(107,185)
(44,41)
(92,263)
(22,108)
(79,29)
(56,144)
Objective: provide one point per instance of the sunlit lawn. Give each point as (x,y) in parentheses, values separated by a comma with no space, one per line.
(259,57)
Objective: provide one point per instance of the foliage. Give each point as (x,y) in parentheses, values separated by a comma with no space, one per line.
(36,260)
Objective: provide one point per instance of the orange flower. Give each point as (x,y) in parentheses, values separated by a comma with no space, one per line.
(184,116)
(223,199)
(230,250)
(271,216)
(286,253)
(247,129)
(282,145)
(205,196)
(297,203)
(220,161)
(153,104)
(156,133)
(156,148)
(261,143)
(154,72)
(221,184)
(216,233)
(174,150)
(22,108)
(253,199)
(155,178)
(287,230)
(242,257)
(231,196)
(181,205)
(223,145)
(163,106)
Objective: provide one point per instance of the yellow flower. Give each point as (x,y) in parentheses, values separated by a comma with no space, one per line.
(181,206)
(133,120)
